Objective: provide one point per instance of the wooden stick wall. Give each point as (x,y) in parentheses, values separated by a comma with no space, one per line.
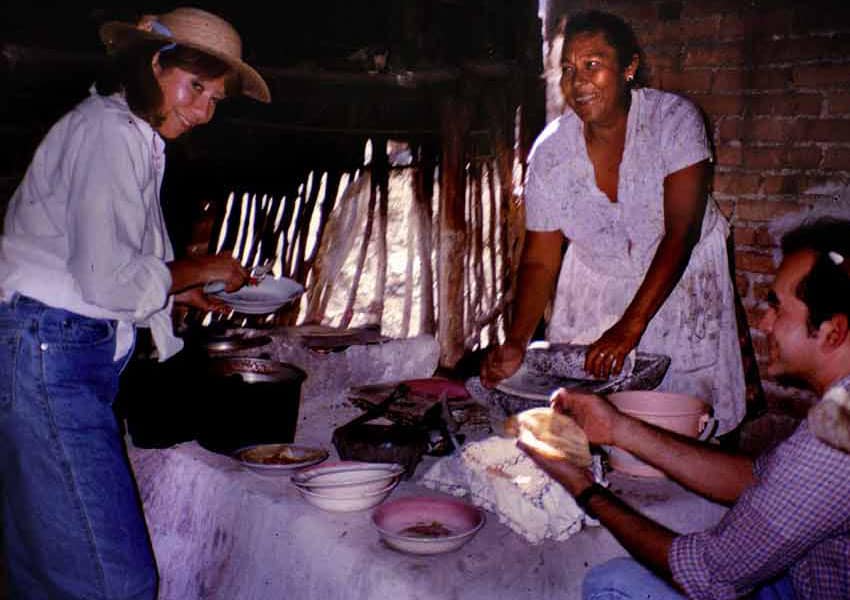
(333,234)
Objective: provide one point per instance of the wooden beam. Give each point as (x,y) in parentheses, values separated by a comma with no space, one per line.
(454,117)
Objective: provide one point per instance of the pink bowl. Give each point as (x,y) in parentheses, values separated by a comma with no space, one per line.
(427,525)
(686,415)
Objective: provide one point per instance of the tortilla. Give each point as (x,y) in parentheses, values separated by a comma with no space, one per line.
(559,432)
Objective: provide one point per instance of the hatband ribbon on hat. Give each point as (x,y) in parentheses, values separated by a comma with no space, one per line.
(161,29)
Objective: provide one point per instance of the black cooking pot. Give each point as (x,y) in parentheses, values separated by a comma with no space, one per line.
(248,401)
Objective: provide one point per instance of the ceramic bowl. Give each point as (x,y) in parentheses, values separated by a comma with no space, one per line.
(336,502)
(427,525)
(274,459)
(348,478)
(683,414)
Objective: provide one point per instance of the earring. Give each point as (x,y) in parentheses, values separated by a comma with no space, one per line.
(629,78)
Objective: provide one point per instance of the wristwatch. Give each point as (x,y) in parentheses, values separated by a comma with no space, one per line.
(583,497)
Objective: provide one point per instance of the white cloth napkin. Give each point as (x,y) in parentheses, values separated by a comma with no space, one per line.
(499,477)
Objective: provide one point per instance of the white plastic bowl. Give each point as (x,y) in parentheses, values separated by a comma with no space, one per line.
(452,522)
(348,478)
(336,502)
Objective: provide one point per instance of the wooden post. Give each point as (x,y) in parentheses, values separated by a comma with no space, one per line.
(423,188)
(454,118)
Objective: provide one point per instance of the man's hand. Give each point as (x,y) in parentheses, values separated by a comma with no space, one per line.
(500,363)
(595,415)
(574,479)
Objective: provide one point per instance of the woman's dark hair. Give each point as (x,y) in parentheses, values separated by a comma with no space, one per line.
(825,289)
(130,71)
(618,34)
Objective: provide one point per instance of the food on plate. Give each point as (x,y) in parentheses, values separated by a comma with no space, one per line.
(434,529)
(552,432)
(272,455)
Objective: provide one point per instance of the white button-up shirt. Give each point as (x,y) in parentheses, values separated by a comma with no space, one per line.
(84,231)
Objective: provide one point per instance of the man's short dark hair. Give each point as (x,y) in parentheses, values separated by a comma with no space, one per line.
(825,290)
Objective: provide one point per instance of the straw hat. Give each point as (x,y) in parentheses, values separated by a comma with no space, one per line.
(194,28)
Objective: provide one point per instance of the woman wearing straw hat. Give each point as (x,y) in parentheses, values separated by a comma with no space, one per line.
(84,261)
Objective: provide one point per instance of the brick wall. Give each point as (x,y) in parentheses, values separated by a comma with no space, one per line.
(773,79)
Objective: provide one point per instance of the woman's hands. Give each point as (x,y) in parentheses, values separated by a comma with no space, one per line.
(606,356)
(501,362)
(198,270)
(196,298)
(223,267)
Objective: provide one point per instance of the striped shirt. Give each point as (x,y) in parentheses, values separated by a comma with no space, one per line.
(795,518)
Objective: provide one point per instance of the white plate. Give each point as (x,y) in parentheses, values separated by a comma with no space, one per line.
(347,477)
(281,457)
(349,502)
(265,297)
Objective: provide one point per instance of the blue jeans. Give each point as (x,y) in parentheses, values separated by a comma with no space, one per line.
(625,579)
(72,520)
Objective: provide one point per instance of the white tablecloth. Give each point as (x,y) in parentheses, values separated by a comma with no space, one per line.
(221,532)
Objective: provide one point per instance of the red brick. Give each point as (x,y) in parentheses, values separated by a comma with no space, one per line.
(822,76)
(763,158)
(716,104)
(714,56)
(808,157)
(837,158)
(760,291)
(760,344)
(823,185)
(822,130)
(732,80)
(794,50)
(753,262)
(781,158)
(769,129)
(780,184)
(752,236)
(727,207)
(663,57)
(786,104)
(694,10)
(764,210)
(660,33)
(736,184)
(772,78)
(694,80)
(812,18)
(734,27)
(775,22)
(742,284)
(729,156)
(699,29)
(838,103)
(632,12)
(729,129)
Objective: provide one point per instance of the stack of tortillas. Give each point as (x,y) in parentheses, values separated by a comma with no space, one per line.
(553,433)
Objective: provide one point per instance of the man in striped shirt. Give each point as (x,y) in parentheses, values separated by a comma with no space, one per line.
(787,532)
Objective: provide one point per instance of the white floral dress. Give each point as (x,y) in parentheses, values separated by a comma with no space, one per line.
(612,244)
